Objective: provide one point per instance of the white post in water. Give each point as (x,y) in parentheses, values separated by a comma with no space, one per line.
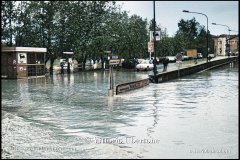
(179,62)
(110,91)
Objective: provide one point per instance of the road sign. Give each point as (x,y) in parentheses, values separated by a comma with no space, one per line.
(114,61)
(107,52)
(150,47)
(157,36)
(67,52)
(179,57)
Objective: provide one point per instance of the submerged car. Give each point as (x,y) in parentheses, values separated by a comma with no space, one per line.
(145,65)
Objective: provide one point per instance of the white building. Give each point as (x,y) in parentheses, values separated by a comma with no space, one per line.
(220,44)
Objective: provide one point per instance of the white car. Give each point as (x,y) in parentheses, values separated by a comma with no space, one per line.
(211,55)
(145,65)
(184,58)
(199,55)
(171,58)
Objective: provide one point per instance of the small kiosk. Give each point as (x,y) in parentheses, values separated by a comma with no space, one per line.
(22,62)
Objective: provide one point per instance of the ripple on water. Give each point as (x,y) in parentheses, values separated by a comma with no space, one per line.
(64,117)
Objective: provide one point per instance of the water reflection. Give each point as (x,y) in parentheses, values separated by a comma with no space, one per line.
(155,115)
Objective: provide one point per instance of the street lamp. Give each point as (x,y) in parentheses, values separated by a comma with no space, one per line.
(186,11)
(234,31)
(223,25)
(227,40)
(154,39)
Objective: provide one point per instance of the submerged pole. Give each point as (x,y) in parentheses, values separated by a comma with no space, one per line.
(110,91)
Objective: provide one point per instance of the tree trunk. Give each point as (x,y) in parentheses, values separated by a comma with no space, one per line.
(51,65)
(84,63)
(102,61)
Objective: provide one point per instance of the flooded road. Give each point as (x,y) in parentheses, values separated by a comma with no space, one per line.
(71,116)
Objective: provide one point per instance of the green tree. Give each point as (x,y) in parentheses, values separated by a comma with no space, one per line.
(86,27)
(191,35)
(188,32)
(8,18)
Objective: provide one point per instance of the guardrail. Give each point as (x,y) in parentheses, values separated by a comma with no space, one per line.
(121,88)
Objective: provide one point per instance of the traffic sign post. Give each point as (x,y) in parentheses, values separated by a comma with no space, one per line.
(179,62)
(157,36)
(150,47)
(112,62)
(110,91)
(151,41)
(179,57)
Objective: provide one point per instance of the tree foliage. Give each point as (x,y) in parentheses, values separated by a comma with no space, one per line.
(89,28)
(191,35)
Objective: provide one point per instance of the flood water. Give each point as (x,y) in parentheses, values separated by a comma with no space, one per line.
(71,116)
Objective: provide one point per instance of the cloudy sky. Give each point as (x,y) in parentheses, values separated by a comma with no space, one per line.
(169,13)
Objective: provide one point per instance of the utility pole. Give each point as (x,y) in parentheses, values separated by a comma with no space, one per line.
(154,47)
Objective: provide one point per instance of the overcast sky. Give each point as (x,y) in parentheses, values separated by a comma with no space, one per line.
(169,13)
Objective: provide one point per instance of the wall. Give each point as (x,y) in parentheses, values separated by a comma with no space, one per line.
(162,77)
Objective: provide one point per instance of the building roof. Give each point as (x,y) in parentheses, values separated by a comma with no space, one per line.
(236,36)
(225,36)
(23,49)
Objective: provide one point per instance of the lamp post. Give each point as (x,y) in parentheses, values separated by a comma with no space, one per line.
(233,31)
(186,11)
(224,26)
(42,14)
(227,40)
(154,48)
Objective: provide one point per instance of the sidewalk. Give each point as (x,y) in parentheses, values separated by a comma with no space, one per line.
(186,64)
(189,67)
